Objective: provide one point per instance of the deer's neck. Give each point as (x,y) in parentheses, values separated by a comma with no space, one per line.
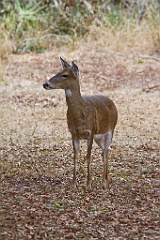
(75,102)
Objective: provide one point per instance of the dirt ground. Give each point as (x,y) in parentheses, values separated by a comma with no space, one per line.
(37,200)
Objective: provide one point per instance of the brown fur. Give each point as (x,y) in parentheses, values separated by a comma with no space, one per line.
(90,117)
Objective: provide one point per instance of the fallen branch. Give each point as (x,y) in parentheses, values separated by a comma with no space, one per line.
(148,57)
(136,56)
(109,79)
(148,89)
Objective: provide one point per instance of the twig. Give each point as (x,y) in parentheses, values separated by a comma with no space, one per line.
(89,6)
(109,79)
(148,89)
(137,56)
(147,56)
(134,55)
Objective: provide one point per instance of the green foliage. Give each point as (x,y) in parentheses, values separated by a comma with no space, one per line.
(33,19)
(21,19)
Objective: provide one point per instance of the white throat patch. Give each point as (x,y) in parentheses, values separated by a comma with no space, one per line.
(68,93)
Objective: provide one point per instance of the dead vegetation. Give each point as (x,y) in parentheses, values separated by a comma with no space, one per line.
(36,197)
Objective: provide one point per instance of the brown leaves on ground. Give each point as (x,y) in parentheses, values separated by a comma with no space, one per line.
(37,200)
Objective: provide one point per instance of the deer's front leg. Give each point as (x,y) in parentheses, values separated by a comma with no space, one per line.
(76,151)
(89,148)
(105,169)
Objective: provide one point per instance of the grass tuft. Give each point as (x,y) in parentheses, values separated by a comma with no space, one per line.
(6,45)
(144,37)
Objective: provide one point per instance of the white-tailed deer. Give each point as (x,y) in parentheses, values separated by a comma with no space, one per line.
(89,117)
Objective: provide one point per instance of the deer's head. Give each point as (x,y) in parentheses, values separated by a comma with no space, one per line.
(65,79)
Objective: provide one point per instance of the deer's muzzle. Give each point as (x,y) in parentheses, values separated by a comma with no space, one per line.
(47,86)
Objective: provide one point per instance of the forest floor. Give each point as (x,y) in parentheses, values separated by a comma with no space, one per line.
(37,200)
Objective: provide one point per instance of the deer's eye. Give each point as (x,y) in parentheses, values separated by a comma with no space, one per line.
(64,76)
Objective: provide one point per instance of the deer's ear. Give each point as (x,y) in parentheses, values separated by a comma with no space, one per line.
(65,64)
(75,69)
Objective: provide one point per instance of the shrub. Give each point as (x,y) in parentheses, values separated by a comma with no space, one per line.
(36,25)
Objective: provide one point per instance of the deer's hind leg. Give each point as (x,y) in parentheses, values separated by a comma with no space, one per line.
(89,148)
(104,141)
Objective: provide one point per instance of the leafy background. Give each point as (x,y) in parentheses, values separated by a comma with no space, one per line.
(38,25)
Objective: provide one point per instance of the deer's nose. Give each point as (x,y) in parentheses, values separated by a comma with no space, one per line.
(46,85)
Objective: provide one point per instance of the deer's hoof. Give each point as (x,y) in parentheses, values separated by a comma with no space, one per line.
(74,184)
(105,185)
(89,183)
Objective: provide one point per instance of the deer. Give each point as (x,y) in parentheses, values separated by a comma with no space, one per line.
(88,117)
